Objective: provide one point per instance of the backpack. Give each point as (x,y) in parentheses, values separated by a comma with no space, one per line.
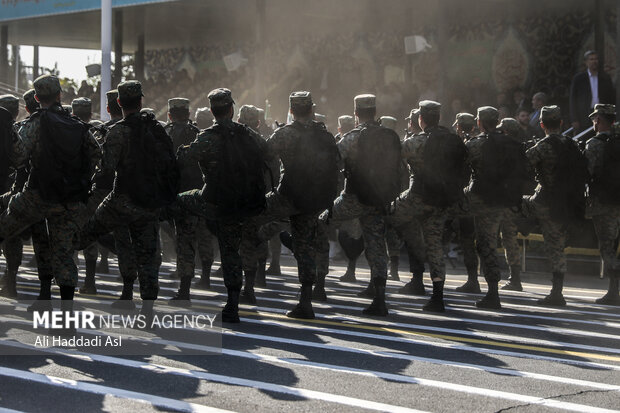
(566,195)
(310,182)
(502,179)
(191,174)
(440,182)
(374,173)
(62,173)
(6,141)
(606,186)
(237,187)
(151,173)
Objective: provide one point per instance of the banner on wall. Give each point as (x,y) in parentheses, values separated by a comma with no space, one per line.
(25,9)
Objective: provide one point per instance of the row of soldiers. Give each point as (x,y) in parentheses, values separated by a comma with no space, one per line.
(220,180)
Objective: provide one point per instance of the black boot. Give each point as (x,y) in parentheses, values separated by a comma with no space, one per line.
(378,306)
(205,277)
(260,280)
(318,294)
(125,301)
(274,269)
(182,298)
(612,297)
(555,297)
(9,289)
(89,282)
(43,302)
(147,313)
(436,304)
(472,285)
(514,282)
(415,286)
(349,275)
(66,306)
(491,299)
(103,266)
(304,308)
(230,313)
(394,267)
(368,292)
(248,296)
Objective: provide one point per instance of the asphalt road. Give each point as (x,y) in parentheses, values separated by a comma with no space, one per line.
(520,359)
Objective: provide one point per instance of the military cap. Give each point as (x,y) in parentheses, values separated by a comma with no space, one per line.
(47,85)
(320,118)
(203,118)
(414,114)
(615,129)
(346,121)
(178,103)
(220,97)
(261,113)
(81,104)
(464,119)
(68,108)
(388,121)
(487,113)
(599,108)
(429,107)
(129,89)
(29,98)
(150,111)
(366,101)
(550,113)
(510,126)
(10,103)
(111,95)
(300,99)
(248,115)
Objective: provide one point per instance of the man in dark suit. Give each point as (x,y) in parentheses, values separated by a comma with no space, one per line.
(538,101)
(587,89)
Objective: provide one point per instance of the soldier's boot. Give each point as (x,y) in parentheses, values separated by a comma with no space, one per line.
(415,286)
(205,277)
(612,297)
(219,272)
(182,298)
(555,297)
(125,301)
(9,289)
(66,306)
(273,269)
(304,308)
(260,280)
(248,296)
(148,314)
(435,304)
(471,285)
(349,275)
(103,266)
(318,293)
(89,286)
(491,299)
(514,282)
(368,292)
(43,302)
(230,313)
(394,260)
(378,306)
(287,240)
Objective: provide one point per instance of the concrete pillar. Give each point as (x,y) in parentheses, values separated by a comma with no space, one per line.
(139,59)
(118,47)
(35,61)
(15,52)
(4,54)
(618,54)
(106,56)
(260,59)
(599,31)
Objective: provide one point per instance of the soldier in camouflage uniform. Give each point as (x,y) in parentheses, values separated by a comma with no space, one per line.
(604,214)
(203,118)
(29,207)
(31,103)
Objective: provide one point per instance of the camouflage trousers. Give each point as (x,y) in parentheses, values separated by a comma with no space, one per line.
(509,233)
(421,226)
(13,249)
(42,250)
(393,242)
(250,252)
(118,211)
(192,235)
(467,240)
(28,208)
(487,220)
(228,233)
(554,232)
(607,226)
(347,207)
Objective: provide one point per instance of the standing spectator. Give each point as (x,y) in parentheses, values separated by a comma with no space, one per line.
(538,101)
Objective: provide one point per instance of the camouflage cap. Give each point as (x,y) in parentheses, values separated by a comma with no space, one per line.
(82,104)
(320,118)
(487,114)
(464,119)
(301,99)
(388,121)
(203,117)
(510,126)
(261,114)
(366,101)
(248,115)
(111,95)
(414,114)
(550,113)
(68,108)
(10,103)
(47,85)
(150,111)
(603,109)
(129,89)
(429,107)
(615,129)
(346,121)
(178,103)
(220,97)
(29,98)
